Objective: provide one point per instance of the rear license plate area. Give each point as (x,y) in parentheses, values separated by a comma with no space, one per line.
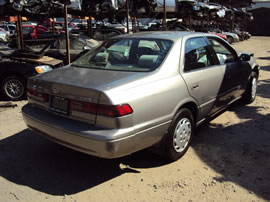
(59,105)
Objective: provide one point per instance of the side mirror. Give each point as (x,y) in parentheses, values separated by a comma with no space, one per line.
(244,57)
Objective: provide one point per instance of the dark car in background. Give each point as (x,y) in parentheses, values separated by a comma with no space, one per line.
(102,33)
(17,66)
(55,45)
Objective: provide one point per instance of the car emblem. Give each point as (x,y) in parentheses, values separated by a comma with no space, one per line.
(55,90)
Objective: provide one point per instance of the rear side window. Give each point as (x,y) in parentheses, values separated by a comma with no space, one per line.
(223,53)
(196,54)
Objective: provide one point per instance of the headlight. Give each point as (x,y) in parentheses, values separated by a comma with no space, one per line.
(43,68)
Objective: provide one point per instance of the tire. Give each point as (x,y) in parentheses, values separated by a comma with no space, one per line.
(230,39)
(179,138)
(14,88)
(250,93)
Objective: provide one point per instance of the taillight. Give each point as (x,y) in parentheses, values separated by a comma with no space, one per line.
(114,110)
(84,106)
(43,97)
(100,109)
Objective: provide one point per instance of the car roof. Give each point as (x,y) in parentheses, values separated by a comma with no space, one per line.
(169,35)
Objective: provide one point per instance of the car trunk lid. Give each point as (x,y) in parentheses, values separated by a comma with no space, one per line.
(75,92)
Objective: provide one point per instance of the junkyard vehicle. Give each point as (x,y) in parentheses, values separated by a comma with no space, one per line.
(101,33)
(231,37)
(55,45)
(3,35)
(10,28)
(61,26)
(33,31)
(16,67)
(220,35)
(140,90)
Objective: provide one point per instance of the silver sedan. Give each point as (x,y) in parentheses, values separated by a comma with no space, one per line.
(137,91)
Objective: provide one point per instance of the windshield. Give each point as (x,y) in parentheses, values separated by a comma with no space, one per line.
(126,55)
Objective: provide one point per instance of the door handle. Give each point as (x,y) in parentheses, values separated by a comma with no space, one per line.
(195,85)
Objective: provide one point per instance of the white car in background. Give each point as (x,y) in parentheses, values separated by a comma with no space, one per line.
(3,35)
(9,28)
(231,37)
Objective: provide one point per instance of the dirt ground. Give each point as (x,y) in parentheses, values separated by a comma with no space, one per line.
(228,160)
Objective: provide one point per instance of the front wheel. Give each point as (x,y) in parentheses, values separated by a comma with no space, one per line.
(230,39)
(13,87)
(251,91)
(179,135)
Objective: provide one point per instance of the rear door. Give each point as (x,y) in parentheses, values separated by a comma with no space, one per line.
(202,76)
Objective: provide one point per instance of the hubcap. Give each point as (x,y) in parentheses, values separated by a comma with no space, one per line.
(253,87)
(14,88)
(182,135)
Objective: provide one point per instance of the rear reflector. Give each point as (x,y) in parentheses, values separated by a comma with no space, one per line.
(43,97)
(100,109)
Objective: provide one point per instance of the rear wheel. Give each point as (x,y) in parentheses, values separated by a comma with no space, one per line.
(179,134)
(251,91)
(13,87)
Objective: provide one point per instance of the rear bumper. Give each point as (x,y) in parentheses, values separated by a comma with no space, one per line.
(85,138)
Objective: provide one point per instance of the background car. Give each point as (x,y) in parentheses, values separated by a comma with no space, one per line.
(61,26)
(16,67)
(138,91)
(55,45)
(220,35)
(100,34)
(231,37)
(10,28)
(33,31)
(3,35)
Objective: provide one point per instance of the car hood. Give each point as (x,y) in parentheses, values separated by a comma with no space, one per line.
(98,79)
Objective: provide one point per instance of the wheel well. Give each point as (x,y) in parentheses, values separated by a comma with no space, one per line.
(256,70)
(193,108)
(5,75)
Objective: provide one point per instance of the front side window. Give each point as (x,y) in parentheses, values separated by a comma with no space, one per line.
(196,54)
(223,54)
(126,55)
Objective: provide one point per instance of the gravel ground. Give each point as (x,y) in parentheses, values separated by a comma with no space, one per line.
(228,160)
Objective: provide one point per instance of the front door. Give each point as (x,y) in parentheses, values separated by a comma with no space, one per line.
(235,72)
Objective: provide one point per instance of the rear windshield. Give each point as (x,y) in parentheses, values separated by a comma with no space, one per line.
(126,55)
